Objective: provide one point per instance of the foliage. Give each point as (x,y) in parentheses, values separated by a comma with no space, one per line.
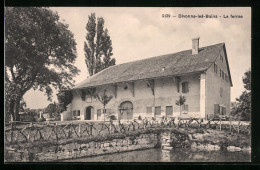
(98,45)
(40,52)
(53,109)
(243,108)
(22,105)
(64,98)
(104,99)
(181,101)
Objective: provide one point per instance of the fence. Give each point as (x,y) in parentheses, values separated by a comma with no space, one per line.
(53,131)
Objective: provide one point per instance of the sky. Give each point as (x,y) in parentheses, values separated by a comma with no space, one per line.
(139,33)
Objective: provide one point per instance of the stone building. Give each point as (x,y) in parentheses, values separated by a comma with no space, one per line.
(150,87)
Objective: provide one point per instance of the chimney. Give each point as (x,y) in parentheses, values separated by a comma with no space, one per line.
(195,45)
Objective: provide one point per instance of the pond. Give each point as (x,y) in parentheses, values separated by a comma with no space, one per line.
(177,155)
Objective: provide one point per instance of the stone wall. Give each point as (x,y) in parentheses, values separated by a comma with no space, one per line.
(56,152)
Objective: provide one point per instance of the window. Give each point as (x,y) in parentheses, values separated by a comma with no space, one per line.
(185,87)
(149,110)
(223,74)
(98,112)
(157,110)
(223,112)
(185,109)
(169,110)
(215,68)
(220,72)
(216,109)
(76,112)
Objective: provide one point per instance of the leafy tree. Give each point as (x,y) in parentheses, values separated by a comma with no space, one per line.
(39,54)
(104,99)
(243,108)
(53,109)
(180,102)
(98,45)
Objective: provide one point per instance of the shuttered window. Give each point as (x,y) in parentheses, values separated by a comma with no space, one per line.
(185,108)
(98,112)
(185,87)
(169,110)
(157,110)
(149,110)
(223,110)
(216,109)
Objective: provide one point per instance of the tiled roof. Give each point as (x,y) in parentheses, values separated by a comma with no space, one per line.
(174,64)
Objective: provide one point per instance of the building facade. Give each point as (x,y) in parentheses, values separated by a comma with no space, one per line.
(151,87)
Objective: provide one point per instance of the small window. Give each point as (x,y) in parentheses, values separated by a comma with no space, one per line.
(220,73)
(76,112)
(169,110)
(216,109)
(223,111)
(223,74)
(149,110)
(185,87)
(157,110)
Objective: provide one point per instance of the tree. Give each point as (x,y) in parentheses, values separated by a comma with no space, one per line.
(180,102)
(243,108)
(104,99)
(52,109)
(39,54)
(98,45)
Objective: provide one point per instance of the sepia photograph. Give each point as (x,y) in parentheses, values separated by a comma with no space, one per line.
(127,84)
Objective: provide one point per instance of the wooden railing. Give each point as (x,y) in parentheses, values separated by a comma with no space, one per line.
(58,131)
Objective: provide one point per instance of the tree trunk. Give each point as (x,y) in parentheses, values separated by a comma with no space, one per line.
(104,108)
(180,110)
(11,110)
(16,109)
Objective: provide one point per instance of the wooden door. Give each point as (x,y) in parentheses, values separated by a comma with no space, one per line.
(89,113)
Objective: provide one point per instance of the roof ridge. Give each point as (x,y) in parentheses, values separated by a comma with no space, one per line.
(166,54)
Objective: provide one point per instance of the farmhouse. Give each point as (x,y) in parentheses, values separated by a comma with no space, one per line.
(150,87)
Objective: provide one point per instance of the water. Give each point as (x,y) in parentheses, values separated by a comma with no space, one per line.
(177,155)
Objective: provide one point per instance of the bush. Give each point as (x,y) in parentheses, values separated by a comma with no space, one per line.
(113,117)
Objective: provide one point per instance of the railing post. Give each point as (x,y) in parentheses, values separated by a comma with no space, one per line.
(230,128)
(12,133)
(79,131)
(220,123)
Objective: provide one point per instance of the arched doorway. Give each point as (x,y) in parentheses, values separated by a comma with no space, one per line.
(126,110)
(89,115)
